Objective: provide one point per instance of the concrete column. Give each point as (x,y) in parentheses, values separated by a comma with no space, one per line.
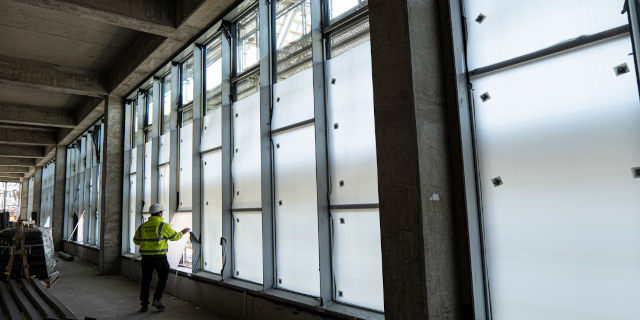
(112,185)
(57,215)
(37,190)
(419,254)
(24,199)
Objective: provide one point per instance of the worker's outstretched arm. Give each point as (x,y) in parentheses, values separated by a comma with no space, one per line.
(171,235)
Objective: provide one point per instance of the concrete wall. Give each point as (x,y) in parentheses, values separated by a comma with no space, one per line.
(90,254)
(229,300)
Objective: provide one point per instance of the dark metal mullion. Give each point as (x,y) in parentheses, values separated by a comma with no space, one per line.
(319,14)
(293,126)
(355,206)
(555,49)
(176,100)
(246,210)
(634,21)
(478,268)
(266,86)
(196,158)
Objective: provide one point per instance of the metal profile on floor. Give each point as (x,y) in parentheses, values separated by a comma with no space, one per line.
(9,306)
(62,310)
(21,299)
(37,301)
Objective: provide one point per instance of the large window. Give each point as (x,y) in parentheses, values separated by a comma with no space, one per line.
(10,199)
(557,135)
(166,104)
(250,140)
(248,40)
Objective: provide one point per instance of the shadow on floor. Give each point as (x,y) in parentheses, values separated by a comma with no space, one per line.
(113,297)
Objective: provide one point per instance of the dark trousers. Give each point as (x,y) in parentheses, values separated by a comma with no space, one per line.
(161,266)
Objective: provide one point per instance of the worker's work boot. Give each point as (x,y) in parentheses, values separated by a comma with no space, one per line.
(144,308)
(158,304)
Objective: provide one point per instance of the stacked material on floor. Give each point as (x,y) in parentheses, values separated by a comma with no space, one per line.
(31,299)
(41,258)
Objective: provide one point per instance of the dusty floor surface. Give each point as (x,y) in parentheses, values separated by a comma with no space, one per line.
(113,297)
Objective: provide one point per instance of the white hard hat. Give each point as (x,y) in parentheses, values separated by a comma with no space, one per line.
(155,208)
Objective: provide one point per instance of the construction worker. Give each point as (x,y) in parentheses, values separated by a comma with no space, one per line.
(152,238)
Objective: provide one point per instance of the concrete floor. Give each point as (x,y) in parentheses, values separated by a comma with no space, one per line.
(113,297)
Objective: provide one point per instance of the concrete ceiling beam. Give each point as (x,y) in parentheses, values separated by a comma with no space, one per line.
(11,180)
(10,169)
(11,175)
(20,162)
(35,75)
(155,17)
(151,52)
(21,152)
(86,117)
(49,154)
(34,115)
(28,138)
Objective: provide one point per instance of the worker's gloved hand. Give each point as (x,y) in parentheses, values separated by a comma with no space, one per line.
(185,230)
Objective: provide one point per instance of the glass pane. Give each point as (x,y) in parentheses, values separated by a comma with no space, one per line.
(147,135)
(134,124)
(248,41)
(149,109)
(212,211)
(561,223)
(245,165)
(214,76)
(341,7)
(511,28)
(293,33)
(248,86)
(186,116)
(166,104)
(350,37)
(187,81)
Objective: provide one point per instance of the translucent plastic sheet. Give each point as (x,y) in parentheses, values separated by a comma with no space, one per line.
(164,155)
(297,257)
(512,28)
(351,128)
(247,246)
(561,232)
(293,100)
(134,161)
(245,167)
(147,177)
(212,131)
(30,198)
(180,221)
(132,212)
(357,256)
(185,174)
(212,211)
(163,186)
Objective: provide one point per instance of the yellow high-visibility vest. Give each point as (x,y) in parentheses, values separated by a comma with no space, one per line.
(152,237)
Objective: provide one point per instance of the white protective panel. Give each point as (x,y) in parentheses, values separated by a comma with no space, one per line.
(134,156)
(185,174)
(561,232)
(293,100)
(147,177)
(247,246)
(297,256)
(132,212)
(180,221)
(352,145)
(212,211)
(212,131)
(512,28)
(163,186)
(245,167)
(164,155)
(357,258)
